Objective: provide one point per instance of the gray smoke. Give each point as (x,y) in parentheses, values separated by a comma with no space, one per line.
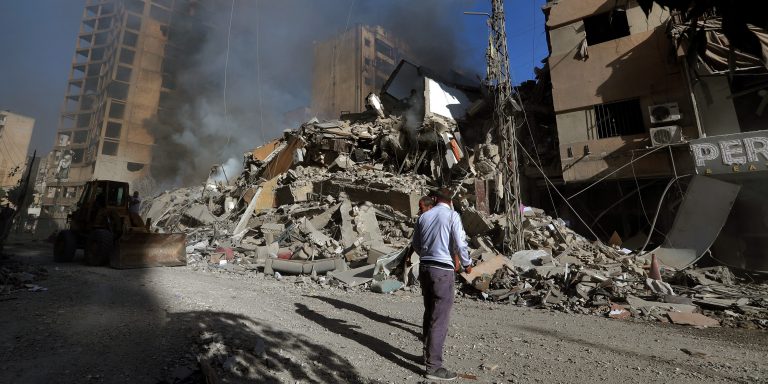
(269,72)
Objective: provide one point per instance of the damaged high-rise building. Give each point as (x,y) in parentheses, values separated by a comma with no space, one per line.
(122,77)
(351,65)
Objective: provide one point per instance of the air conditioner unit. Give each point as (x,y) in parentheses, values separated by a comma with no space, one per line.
(666,135)
(664,113)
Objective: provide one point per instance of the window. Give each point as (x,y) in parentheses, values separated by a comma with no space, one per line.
(619,119)
(113,130)
(367,42)
(83,120)
(123,73)
(160,14)
(367,61)
(135,6)
(101,38)
(130,39)
(93,70)
(384,48)
(126,56)
(133,22)
(116,110)
(118,90)
(109,148)
(606,27)
(77,155)
(169,82)
(80,137)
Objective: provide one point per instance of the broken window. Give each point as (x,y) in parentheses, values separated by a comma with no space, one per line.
(104,23)
(160,14)
(367,42)
(130,39)
(134,167)
(97,54)
(116,110)
(83,120)
(113,130)
(126,56)
(133,22)
(80,137)
(109,148)
(118,90)
(77,155)
(384,48)
(123,73)
(169,82)
(135,6)
(606,27)
(619,119)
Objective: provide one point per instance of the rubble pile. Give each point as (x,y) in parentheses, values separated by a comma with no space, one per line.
(337,201)
(17,276)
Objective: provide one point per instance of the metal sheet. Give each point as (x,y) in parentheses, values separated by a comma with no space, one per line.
(141,250)
(701,216)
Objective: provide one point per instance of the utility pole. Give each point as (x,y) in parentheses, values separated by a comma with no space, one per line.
(498,80)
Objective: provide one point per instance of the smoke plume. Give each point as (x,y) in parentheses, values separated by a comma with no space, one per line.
(269,69)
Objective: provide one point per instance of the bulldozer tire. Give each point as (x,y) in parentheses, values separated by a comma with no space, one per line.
(65,246)
(99,247)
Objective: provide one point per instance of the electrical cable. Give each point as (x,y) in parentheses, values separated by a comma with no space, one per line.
(658,209)
(616,171)
(226,67)
(258,74)
(556,190)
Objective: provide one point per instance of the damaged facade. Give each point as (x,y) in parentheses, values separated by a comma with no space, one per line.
(351,65)
(634,117)
(15,134)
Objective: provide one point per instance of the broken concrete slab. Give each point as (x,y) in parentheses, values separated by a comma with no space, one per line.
(386,286)
(475,223)
(489,267)
(640,304)
(525,259)
(200,214)
(356,276)
(695,319)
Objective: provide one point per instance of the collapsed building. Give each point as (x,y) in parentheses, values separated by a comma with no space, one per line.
(335,201)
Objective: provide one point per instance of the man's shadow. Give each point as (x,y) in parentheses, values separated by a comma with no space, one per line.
(379,318)
(341,328)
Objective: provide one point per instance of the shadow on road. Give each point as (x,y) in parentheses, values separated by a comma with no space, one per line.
(652,360)
(384,349)
(379,318)
(101,325)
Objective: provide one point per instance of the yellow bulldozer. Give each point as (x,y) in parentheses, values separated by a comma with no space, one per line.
(103,226)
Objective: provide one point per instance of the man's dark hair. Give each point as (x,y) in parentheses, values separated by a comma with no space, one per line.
(427,201)
(443,194)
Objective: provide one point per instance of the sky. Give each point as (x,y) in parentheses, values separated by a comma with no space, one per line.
(37,42)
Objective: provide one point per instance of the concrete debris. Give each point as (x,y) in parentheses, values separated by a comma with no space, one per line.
(341,198)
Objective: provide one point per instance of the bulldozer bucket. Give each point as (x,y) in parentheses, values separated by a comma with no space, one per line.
(142,249)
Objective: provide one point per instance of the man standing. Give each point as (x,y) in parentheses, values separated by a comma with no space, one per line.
(439,235)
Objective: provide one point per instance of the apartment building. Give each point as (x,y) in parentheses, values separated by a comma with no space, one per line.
(122,75)
(638,105)
(351,65)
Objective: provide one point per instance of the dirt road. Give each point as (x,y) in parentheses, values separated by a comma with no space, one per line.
(99,325)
